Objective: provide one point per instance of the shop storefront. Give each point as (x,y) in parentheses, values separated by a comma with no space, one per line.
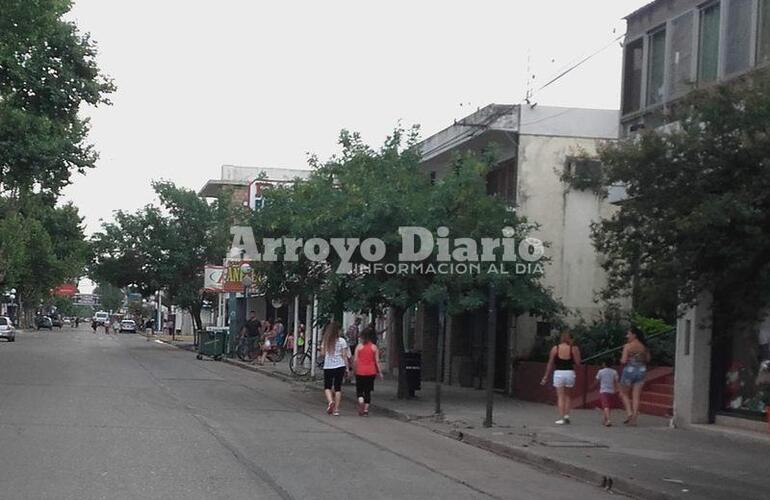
(746,389)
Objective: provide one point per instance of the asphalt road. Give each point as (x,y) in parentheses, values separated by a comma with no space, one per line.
(91,416)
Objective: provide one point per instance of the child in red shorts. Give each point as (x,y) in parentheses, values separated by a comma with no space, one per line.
(607,379)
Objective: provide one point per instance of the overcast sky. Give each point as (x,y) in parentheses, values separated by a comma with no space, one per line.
(201,84)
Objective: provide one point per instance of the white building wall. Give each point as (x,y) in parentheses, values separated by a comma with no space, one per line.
(565,215)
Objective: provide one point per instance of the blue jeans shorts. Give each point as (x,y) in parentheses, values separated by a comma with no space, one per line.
(633,374)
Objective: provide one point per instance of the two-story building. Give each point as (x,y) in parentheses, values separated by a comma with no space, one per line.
(534,146)
(244,185)
(671,48)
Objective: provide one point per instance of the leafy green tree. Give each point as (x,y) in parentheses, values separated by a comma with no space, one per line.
(64,306)
(165,247)
(697,217)
(82,311)
(365,192)
(48,71)
(41,247)
(111,297)
(127,252)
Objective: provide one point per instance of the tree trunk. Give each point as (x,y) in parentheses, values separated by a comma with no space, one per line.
(398,331)
(196,314)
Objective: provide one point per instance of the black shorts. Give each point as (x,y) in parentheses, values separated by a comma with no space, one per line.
(364,386)
(333,378)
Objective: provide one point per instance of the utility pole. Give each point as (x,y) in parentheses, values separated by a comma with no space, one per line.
(442,311)
(491,337)
(296,324)
(159,324)
(314,348)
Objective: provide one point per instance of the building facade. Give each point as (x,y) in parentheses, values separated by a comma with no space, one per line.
(534,147)
(672,48)
(244,186)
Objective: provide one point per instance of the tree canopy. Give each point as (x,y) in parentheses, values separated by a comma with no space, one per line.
(365,192)
(41,246)
(48,71)
(697,216)
(164,246)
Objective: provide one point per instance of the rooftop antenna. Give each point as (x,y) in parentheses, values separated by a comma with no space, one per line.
(530,79)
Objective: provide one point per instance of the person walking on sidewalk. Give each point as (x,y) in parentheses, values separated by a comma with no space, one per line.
(607,378)
(268,336)
(562,360)
(353,333)
(251,329)
(336,355)
(634,359)
(366,363)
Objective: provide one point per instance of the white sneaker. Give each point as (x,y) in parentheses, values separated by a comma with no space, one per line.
(561,421)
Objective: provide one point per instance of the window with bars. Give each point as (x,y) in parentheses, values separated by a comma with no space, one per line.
(708,53)
(656,68)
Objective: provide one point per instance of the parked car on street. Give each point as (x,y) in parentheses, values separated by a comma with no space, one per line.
(128,325)
(43,322)
(7,331)
(57,321)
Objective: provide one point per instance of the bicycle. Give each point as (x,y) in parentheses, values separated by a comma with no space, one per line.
(300,363)
(248,349)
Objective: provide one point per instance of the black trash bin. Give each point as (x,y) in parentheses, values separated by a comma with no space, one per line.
(412,363)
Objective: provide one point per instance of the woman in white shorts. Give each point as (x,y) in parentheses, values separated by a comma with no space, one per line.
(562,360)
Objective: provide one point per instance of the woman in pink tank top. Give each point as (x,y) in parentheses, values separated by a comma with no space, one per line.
(367,367)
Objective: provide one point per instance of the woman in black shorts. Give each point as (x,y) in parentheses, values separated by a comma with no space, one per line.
(336,363)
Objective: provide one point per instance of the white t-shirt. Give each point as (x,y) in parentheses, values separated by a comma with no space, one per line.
(336,359)
(607,378)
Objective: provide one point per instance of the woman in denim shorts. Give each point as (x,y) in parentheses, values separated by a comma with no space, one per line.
(635,357)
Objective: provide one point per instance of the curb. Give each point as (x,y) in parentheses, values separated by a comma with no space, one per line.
(612,484)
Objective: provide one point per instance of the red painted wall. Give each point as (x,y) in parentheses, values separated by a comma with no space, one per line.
(527,385)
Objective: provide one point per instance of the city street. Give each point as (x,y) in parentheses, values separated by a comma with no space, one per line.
(85,416)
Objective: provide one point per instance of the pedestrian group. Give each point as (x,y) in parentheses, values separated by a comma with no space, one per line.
(565,357)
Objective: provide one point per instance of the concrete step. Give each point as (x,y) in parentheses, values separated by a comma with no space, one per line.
(660,388)
(659,410)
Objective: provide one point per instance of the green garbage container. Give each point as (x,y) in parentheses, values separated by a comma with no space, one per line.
(213,342)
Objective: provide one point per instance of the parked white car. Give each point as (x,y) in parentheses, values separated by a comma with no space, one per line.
(7,331)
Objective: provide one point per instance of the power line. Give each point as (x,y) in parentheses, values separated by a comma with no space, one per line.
(575,66)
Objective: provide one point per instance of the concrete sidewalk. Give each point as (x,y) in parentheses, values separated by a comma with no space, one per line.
(648,461)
